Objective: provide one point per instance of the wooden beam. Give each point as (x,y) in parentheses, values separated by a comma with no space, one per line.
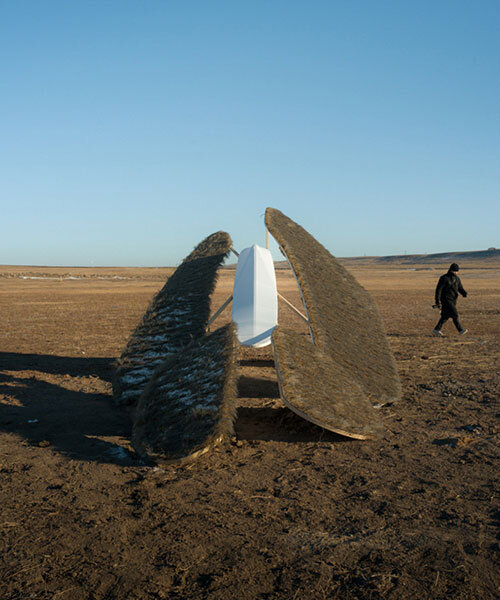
(293,308)
(215,315)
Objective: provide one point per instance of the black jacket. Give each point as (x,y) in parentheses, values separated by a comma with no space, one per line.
(448,288)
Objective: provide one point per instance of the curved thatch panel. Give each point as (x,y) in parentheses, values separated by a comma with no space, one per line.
(344,319)
(319,390)
(177,315)
(189,404)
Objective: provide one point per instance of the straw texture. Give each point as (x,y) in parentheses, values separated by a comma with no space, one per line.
(319,390)
(177,315)
(344,319)
(189,404)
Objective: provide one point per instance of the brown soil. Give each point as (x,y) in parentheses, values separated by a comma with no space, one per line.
(284,510)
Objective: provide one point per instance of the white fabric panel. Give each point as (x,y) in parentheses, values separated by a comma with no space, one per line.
(255,297)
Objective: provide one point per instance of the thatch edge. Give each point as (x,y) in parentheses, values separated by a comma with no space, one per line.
(304,415)
(225,425)
(122,362)
(318,335)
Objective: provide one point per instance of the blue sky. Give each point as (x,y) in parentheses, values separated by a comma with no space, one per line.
(130,130)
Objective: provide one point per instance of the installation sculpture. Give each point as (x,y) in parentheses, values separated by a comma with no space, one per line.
(181,381)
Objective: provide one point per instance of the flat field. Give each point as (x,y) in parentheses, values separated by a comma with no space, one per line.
(284,510)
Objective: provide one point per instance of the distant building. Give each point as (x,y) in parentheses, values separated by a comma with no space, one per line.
(491,249)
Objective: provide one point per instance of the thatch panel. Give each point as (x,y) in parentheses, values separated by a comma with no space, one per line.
(344,319)
(177,315)
(189,405)
(321,391)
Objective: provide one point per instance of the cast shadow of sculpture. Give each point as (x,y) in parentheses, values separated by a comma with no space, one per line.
(79,422)
(66,415)
(57,365)
(277,422)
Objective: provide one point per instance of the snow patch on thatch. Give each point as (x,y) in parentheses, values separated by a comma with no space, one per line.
(189,404)
(177,315)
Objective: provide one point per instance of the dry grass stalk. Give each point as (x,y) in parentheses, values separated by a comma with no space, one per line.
(190,403)
(319,390)
(177,315)
(344,319)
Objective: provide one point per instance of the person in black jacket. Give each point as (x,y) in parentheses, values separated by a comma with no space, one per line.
(447,290)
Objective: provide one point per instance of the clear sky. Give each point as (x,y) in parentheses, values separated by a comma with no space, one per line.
(131,130)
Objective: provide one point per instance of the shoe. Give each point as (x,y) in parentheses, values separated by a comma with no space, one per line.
(437,332)
(463,331)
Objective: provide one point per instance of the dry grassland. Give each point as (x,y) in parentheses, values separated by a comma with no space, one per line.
(285,510)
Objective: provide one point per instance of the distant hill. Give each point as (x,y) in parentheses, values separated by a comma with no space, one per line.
(490,255)
(476,255)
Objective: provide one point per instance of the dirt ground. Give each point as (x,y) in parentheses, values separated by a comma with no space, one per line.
(284,509)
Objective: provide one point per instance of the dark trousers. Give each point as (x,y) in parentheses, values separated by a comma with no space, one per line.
(449,311)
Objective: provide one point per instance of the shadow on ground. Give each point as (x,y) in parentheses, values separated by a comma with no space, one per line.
(58,365)
(279,425)
(64,403)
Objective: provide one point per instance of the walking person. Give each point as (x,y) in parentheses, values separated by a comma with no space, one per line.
(447,290)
